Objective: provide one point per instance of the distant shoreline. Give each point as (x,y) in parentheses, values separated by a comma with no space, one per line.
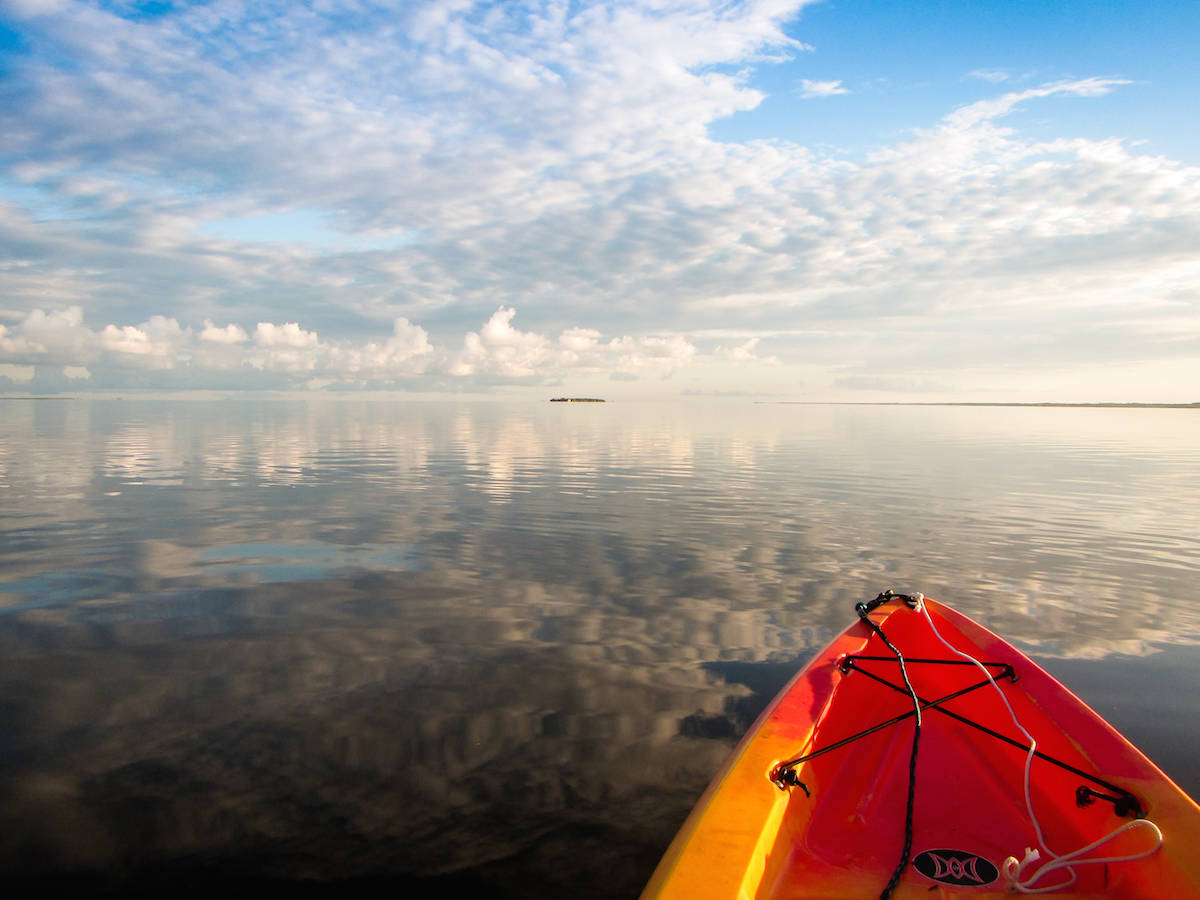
(991,404)
(994,404)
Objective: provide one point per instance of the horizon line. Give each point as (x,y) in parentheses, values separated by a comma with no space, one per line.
(1106,404)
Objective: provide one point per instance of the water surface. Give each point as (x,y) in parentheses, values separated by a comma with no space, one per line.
(372,643)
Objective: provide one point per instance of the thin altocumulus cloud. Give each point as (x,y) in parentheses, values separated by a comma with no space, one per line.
(995,76)
(474,195)
(810,88)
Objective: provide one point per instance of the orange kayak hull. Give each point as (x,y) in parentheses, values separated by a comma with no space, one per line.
(747,838)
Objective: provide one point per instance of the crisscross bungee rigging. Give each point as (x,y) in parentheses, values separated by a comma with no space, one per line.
(931,755)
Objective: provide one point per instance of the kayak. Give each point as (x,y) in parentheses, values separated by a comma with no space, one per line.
(921,755)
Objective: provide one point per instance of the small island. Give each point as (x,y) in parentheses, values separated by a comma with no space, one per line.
(576,400)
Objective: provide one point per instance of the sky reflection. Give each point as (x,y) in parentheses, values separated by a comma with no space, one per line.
(339,639)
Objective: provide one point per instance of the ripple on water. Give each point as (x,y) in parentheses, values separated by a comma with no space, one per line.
(363,639)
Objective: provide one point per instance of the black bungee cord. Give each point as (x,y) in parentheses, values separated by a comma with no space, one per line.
(863,610)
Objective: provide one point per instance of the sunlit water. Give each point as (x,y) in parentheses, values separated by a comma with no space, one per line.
(383,643)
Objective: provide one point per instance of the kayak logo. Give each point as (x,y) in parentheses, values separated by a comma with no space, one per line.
(955,867)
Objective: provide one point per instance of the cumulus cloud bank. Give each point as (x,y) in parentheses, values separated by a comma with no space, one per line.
(497,351)
(448,164)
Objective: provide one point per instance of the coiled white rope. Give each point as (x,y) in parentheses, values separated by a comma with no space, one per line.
(1013,870)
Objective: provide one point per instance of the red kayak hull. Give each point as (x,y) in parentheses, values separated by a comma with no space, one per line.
(845,837)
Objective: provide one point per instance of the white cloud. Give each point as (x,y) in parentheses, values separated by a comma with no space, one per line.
(57,333)
(821,88)
(290,334)
(745,353)
(652,352)
(502,349)
(17,374)
(580,340)
(496,350)
(230,334)
(154,344)
(985,110)
(60,337)
(553,159)
(129,340)
(407,352)
(22,9)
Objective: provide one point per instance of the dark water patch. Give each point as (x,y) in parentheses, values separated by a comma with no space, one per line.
(764,679)
(1144,697)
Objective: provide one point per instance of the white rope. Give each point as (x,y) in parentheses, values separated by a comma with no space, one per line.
(1014,870)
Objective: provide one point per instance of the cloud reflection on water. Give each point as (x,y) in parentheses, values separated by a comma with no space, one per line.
(336,639)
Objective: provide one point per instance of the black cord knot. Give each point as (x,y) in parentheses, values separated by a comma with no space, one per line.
(785,778)
(1124,804)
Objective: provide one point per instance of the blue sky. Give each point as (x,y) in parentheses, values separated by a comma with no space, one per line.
(772,199)
(904,64)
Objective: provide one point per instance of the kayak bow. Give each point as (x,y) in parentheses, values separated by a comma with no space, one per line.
(921,755)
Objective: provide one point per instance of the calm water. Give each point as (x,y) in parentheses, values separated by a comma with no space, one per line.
(389,644)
